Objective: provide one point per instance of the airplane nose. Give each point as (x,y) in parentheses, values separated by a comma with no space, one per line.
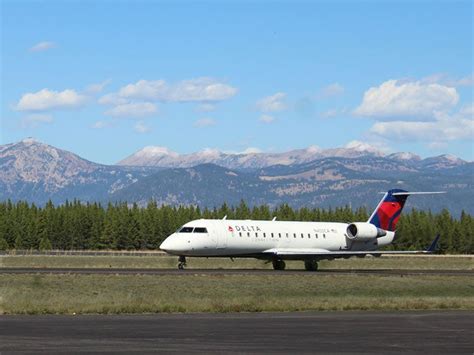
(164,245)
(167,244)
(173,244)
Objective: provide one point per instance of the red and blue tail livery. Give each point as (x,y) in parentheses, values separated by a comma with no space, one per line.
(387,213)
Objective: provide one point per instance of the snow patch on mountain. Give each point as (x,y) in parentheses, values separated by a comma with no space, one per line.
(404,156)
(249,159)
(151,151)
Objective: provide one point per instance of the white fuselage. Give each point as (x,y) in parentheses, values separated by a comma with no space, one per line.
(208,237)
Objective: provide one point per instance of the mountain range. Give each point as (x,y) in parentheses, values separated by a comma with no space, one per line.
(312,177)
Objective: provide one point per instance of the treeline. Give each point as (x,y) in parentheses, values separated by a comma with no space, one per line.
(78,226)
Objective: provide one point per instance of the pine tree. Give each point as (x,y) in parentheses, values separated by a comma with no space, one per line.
(3,244)
(45,244)
(242,211)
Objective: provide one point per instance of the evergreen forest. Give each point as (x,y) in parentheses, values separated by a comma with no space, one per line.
(92,226)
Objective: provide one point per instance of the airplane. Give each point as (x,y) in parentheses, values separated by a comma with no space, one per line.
(277,241)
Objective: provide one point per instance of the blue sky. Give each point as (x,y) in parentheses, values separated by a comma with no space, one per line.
(106,78)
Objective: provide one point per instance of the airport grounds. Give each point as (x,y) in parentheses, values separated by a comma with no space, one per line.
(90,301)
(133,282)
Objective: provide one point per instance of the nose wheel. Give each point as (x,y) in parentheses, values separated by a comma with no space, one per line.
(181,262)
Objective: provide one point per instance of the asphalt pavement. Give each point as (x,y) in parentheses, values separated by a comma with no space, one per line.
(446,332)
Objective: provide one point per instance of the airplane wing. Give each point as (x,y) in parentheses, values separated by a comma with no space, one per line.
(327,254)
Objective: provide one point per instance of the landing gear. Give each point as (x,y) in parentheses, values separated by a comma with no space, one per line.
(311,265)
(181,262)
(279,265)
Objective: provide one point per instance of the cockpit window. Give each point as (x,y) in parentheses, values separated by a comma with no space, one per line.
(186,230)
(200,230)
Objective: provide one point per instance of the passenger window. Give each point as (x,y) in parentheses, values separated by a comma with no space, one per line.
(309,235)
(287,235)
(324,235)
(186,230)
(302,236)
(294,235)
(240,234)
(316,235)
(279,235)
(256,235)
(248,234)
(200,230)
(264,235)
(272,235)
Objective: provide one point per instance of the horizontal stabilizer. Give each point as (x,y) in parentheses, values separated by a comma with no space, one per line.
(418,193)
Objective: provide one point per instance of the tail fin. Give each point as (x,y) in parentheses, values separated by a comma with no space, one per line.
(388,211)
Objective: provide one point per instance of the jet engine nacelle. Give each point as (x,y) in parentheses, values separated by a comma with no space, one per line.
(364,231)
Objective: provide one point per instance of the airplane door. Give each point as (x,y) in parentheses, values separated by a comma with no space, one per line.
(222,234)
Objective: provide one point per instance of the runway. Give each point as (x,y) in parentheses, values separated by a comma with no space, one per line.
(191,272)
(326,332)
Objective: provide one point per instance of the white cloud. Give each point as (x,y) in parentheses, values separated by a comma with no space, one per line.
(96,88)
(445,79)
(197,90)
(445,128)
(102,124)
(112,99)
(34,120)
(266,119)
(42,46)
(329,113)
(140,127)
(408,100)
(46,99)
(206,107)
(468,111)
(144,89)
(466,81)
(438,145)
(273,103)
(331,90)
(205,122)
(134,109)
(50,100)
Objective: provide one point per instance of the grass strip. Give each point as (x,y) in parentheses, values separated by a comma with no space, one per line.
(106,294)
(421,263)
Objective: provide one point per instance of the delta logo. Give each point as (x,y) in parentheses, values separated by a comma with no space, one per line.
(244,228)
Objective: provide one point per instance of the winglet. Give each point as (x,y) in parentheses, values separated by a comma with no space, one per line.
(433,245)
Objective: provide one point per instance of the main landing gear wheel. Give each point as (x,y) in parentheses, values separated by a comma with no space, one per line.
(181,262)
(279,265)
(311,265)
